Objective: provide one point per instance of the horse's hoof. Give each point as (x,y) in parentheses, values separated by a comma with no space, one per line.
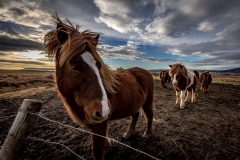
(107,144)
(127,135)
(182,107)
(146,134)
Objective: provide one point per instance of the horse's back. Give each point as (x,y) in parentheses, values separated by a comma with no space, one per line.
(135,89)
(194,78)
(143,77)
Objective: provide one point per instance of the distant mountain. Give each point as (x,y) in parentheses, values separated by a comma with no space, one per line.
(234,70)
(39,69)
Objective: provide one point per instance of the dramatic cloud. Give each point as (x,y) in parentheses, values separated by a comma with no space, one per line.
(128,52)
(10,44)
(206,26)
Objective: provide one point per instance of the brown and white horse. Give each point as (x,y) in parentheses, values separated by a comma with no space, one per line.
(91,92)
(183,81)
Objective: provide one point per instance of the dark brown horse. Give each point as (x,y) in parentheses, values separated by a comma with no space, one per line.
(164,77)
(91,92)
(205,80)
(183,81)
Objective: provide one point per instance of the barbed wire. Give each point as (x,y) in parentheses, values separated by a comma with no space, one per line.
(80,129)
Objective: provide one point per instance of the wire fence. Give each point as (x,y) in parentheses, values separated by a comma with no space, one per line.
(82,130)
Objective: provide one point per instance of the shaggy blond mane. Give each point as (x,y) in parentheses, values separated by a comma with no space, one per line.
(75,44)
(178,68)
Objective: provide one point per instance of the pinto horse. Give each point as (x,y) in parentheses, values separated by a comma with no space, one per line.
(93,94)
(183,81)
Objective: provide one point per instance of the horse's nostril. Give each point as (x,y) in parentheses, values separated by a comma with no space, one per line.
(97,114)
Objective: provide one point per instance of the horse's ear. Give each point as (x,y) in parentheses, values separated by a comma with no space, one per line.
(62,34)
(170,66)
(96,37)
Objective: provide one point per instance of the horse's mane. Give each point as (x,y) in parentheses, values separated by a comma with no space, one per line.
(178,68)
(76,43)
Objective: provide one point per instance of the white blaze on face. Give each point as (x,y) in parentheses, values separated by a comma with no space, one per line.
(175,82)
(89,59)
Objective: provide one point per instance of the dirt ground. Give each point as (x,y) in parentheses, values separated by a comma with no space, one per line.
(207,129)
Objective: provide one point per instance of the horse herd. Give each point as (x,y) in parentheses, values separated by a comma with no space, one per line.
(93,94)
(185,82)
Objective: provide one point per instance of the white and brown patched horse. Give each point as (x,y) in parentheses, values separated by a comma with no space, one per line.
(183,81)
(92,93)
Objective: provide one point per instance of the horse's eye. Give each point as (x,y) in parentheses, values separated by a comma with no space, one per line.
(76,68)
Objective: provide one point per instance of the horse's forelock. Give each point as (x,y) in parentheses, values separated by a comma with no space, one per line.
(178,68)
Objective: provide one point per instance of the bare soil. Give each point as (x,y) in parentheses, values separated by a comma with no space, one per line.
(206,129)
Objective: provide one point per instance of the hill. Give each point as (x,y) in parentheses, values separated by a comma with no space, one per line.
(234,70)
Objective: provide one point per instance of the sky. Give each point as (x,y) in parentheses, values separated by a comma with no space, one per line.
(151,34)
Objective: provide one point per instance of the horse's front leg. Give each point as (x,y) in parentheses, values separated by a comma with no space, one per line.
(188,97)
(131,129)
(193,95)
(99,144)
(177,96)
(182,96)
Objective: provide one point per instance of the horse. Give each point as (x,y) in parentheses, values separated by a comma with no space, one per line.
(205,80)
(164,77)
(119,69)
(183,80)
(93,94)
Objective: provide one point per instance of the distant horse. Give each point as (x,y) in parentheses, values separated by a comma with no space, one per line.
(119,69)
(205,80)
(91,92)
(164,77)
(183,80)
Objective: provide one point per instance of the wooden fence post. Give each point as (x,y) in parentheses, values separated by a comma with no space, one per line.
(21,128)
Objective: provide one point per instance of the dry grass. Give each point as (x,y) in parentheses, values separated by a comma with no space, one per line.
(226,78)
(14,83)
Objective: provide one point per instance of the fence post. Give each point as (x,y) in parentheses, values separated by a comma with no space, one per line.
(21,127)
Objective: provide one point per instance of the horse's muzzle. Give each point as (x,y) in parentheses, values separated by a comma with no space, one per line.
(98,118)
(175,82)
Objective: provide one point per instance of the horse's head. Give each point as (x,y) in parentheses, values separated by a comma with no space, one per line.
(78,75)
(177,71)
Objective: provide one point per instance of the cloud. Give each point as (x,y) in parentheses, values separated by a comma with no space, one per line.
(22,61)
(10,44)
(124,16)
(224,49)
(206,26)
(128,52)
(10,60)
